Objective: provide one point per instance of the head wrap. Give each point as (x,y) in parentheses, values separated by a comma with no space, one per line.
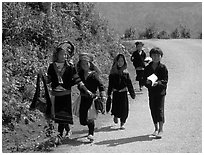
(65,45)
(90,58)
(115,69)
(86,56)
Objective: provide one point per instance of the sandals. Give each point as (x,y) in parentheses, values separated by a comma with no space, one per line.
(155,133)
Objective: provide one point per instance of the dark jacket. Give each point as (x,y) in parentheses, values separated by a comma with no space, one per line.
(119,82)
(70,76)
(93,83)
(162,73)
(120,103)
(137,59)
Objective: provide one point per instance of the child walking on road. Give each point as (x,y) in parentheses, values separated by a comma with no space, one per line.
(119,84)
(155,79)
(138,59)
(93,83)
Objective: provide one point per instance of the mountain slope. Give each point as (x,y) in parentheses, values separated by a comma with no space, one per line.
(165,15)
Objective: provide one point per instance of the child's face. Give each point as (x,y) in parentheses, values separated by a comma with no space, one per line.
(120,62)
(139,47)
(85,65)
(156,57)
(61,56)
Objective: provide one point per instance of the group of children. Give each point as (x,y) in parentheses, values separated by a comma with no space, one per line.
(150,73)
(63,75)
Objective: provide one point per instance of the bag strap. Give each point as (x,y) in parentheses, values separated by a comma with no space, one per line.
(47,96)
(37,93)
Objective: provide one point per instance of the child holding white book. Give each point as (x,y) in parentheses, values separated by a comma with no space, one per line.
(155,79)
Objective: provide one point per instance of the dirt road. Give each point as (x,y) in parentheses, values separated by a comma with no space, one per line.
(183,111)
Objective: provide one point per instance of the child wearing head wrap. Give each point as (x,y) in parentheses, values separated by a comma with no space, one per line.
(62,76)
(155,79)
(119,84)
(138,58)
(89,74)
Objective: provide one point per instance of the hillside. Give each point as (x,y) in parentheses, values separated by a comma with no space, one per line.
(166,15)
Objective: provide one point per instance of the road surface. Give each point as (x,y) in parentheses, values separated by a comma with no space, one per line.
(183,111)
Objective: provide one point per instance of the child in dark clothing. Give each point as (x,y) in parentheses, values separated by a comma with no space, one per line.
(138,58)
(92,81)
(120,83)
(155,79)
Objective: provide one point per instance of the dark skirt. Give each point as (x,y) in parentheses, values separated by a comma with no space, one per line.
(120,106)
(140,75)
(63,109)
(83,110)
(156,104)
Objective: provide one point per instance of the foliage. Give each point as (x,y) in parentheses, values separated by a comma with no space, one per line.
(129,33)
(185,32)
(30,31)
(163,35)
(200,35)
(175,34)
(153,32)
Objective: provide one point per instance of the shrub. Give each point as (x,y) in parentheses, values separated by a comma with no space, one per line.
(163,35)
(175,34)
(29,34)
(185,32)
(130,33)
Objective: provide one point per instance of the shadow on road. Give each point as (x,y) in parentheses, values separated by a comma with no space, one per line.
(121,141)
(107,129)
(80,135)
(76,141)
(103,129)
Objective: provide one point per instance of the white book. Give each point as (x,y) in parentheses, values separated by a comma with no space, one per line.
(152,78)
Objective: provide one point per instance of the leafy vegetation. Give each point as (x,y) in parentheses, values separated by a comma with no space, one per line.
(153,32)
(30,31)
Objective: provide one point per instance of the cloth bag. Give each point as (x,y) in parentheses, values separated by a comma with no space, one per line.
(92,112)
(76,106)
(43,104)
(99,105)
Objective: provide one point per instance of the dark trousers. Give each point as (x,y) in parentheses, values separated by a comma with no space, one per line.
(156,104)
(89,123)
(139,77)
(63,126)
(91,126)
(83,111)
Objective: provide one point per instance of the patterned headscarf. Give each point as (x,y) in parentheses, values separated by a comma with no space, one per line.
(90,58)
(64,45)
(115,69)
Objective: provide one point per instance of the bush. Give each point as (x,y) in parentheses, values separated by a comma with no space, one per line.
(163,35)
(130,33)
(29,34)
(175,34)
(185,32)
(149,33)
(200,36)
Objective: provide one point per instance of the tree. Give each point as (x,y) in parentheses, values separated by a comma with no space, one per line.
(130,33)
(175,34)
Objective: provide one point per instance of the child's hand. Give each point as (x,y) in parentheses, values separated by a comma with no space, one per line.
(155,84)
(103,99)
(148,82)
(90,94)
(133,96)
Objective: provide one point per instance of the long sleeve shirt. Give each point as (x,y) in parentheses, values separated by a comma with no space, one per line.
(162,73)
